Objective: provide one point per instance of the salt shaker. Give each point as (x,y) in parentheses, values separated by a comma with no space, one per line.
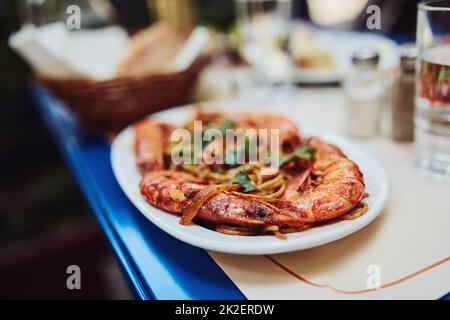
(365,94)
(403,107)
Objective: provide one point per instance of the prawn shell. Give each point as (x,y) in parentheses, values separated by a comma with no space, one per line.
(337,189)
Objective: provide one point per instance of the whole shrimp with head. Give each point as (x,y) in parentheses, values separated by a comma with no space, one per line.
(313,183)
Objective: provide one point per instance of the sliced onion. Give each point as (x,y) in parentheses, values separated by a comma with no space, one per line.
(360,210)
(303,177)
(200,198)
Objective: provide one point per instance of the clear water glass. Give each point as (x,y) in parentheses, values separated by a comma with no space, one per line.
(263,28)
(432,114)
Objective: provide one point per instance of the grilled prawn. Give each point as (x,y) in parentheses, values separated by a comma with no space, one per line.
(338,185)
(289,135)
(323,188)
(178,192)
(151,139)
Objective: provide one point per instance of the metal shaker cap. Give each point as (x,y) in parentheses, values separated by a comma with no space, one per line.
(366,57)
(409,53)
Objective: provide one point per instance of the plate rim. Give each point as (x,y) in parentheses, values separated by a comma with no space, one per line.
(275,247)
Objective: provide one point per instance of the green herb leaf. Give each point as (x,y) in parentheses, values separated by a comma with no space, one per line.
(243,179)
(237,153)
(226,124)
(305,152)
(223,127)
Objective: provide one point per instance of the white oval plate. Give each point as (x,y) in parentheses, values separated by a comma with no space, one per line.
(342,54)
(123,163)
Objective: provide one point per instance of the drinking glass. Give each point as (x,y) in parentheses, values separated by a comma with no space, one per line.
(432,118)
(263,27)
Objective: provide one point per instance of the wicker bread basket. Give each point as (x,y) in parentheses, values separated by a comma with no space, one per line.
(109,106)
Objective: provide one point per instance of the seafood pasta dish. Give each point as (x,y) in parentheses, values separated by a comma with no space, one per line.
(246,174)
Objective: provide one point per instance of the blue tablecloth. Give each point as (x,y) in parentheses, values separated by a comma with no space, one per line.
(157,265)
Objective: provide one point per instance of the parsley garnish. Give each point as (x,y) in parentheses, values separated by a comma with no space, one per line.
(234,156)
(304,152)
(225,125)
(243,179)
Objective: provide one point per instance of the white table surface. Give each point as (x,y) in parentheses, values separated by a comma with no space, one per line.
(410,241)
